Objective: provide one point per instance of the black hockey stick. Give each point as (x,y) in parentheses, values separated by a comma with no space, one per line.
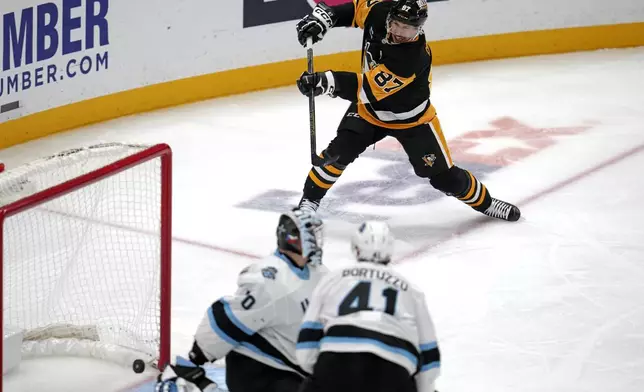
(316,160)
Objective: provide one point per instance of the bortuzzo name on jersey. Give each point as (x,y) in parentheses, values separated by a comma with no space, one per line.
(369,273)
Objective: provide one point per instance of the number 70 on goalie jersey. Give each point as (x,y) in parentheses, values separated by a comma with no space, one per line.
(371,308)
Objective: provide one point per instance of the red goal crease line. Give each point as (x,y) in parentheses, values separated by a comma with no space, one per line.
(536,196)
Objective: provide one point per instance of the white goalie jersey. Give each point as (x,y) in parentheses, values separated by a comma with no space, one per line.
(261,320)
(371,308)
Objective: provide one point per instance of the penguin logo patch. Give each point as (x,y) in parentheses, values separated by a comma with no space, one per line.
(429,159)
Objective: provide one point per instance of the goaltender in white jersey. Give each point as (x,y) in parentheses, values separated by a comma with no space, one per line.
(367,328)
(256,328)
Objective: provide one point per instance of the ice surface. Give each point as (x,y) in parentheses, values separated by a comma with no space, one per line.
(554,302)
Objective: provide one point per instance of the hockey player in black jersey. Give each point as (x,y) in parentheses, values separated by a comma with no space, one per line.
(391,97)
(256,328)
(367,328)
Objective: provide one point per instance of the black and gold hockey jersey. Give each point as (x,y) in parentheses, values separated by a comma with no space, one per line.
(394,87)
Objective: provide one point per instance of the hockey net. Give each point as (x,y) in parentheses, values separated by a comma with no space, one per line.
(85,247)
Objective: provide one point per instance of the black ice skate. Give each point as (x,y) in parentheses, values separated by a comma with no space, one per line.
(503,210)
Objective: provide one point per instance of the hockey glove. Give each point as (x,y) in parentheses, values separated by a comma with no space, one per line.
(310,227)
(316,24)
(319,83)
(184,377)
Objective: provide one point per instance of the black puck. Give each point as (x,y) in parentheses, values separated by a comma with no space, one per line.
(138,366)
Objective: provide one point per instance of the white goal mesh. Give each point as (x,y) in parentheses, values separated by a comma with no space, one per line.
(85,251)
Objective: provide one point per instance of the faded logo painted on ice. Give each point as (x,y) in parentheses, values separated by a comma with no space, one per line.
(481,152)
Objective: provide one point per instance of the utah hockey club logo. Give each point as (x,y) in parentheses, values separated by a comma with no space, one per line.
(269,272)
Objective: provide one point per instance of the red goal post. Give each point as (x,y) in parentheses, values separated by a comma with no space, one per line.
(85,245)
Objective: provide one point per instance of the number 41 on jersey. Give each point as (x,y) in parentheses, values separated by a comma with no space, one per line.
(358,300)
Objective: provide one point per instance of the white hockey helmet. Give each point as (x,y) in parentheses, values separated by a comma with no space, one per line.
(373,242)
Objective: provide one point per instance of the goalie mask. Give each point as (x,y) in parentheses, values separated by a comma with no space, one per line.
(405,20)
(288,232)
(373,242)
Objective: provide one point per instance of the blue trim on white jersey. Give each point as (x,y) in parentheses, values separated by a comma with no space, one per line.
(430,356)
(302,273)
(428,346)
(307,345)
(234,319)
(312,325)
(218,331)
(430,366)
(379,344)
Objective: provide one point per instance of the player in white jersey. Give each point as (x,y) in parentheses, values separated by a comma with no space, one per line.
(256,328)
(367,328)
